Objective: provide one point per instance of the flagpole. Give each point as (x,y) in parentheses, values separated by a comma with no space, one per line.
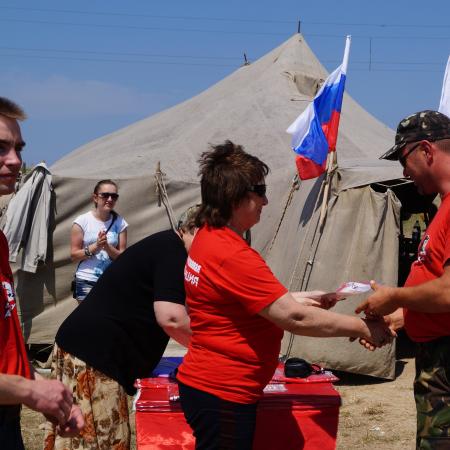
(332,157)
(299,129)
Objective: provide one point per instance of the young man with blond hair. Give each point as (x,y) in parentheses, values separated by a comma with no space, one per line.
(19,383)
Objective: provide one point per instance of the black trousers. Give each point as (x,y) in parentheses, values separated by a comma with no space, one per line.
(218,424)
(10,435)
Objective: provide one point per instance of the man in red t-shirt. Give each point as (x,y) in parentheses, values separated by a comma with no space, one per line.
(19,384)
(422,145)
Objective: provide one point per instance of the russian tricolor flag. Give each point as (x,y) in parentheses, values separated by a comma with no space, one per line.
(314,132)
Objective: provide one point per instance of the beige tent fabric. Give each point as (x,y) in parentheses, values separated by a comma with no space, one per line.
(359,242)
(253,106)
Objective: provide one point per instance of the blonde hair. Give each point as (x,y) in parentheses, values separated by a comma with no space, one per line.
(186,222)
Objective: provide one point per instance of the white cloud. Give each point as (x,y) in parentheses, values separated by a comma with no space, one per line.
(61,97)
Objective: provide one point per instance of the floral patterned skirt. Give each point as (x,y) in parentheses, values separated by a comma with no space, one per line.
(103,403)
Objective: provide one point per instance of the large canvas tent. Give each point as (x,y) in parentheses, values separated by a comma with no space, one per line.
(253,106)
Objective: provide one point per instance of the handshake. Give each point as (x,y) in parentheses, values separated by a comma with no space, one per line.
(381,332)
(382,317)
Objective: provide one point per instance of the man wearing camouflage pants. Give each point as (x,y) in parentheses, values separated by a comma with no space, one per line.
(422,146)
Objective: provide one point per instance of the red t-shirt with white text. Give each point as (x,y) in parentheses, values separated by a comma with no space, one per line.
(234,351)
(13,356)
(434,252)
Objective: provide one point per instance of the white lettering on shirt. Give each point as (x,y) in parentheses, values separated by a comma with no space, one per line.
(190,277)
(422,255)
(196,267)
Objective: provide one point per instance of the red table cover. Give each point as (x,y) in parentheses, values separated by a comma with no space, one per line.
(291,415)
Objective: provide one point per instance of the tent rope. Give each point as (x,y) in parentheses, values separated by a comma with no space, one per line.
(163,197)
(294,187)
(323,196)
(292,335)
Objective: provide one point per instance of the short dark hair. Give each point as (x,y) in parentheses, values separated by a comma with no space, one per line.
(227,172)
(444,145)
(11,110)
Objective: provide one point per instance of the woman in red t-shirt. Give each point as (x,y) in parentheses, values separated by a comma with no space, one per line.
(238,309)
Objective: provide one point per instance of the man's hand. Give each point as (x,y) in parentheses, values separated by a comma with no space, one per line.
(74,425)
(380,303)
(51,398)
(395,321)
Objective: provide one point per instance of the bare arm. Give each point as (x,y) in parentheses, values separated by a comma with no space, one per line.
(114,252)
(315,298)
(303,320)
(76,244)
(174,320)
(430,297)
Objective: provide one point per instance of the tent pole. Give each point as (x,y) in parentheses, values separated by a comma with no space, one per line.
(324,189)
(331,163)
(163,197)
(312,251)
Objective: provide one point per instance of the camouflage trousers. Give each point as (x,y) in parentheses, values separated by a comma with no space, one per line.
(102,401)
(432,394)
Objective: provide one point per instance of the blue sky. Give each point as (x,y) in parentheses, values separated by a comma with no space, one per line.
(84,69)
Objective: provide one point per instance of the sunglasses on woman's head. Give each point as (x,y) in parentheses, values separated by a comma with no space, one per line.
(106,195)
(258,189)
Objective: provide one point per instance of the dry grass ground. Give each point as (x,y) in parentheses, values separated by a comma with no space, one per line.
(375,415)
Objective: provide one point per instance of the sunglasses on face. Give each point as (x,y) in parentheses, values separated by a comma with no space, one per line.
(106,195)
(258,189)
(402,158)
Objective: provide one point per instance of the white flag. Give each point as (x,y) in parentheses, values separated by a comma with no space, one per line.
(444,105)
